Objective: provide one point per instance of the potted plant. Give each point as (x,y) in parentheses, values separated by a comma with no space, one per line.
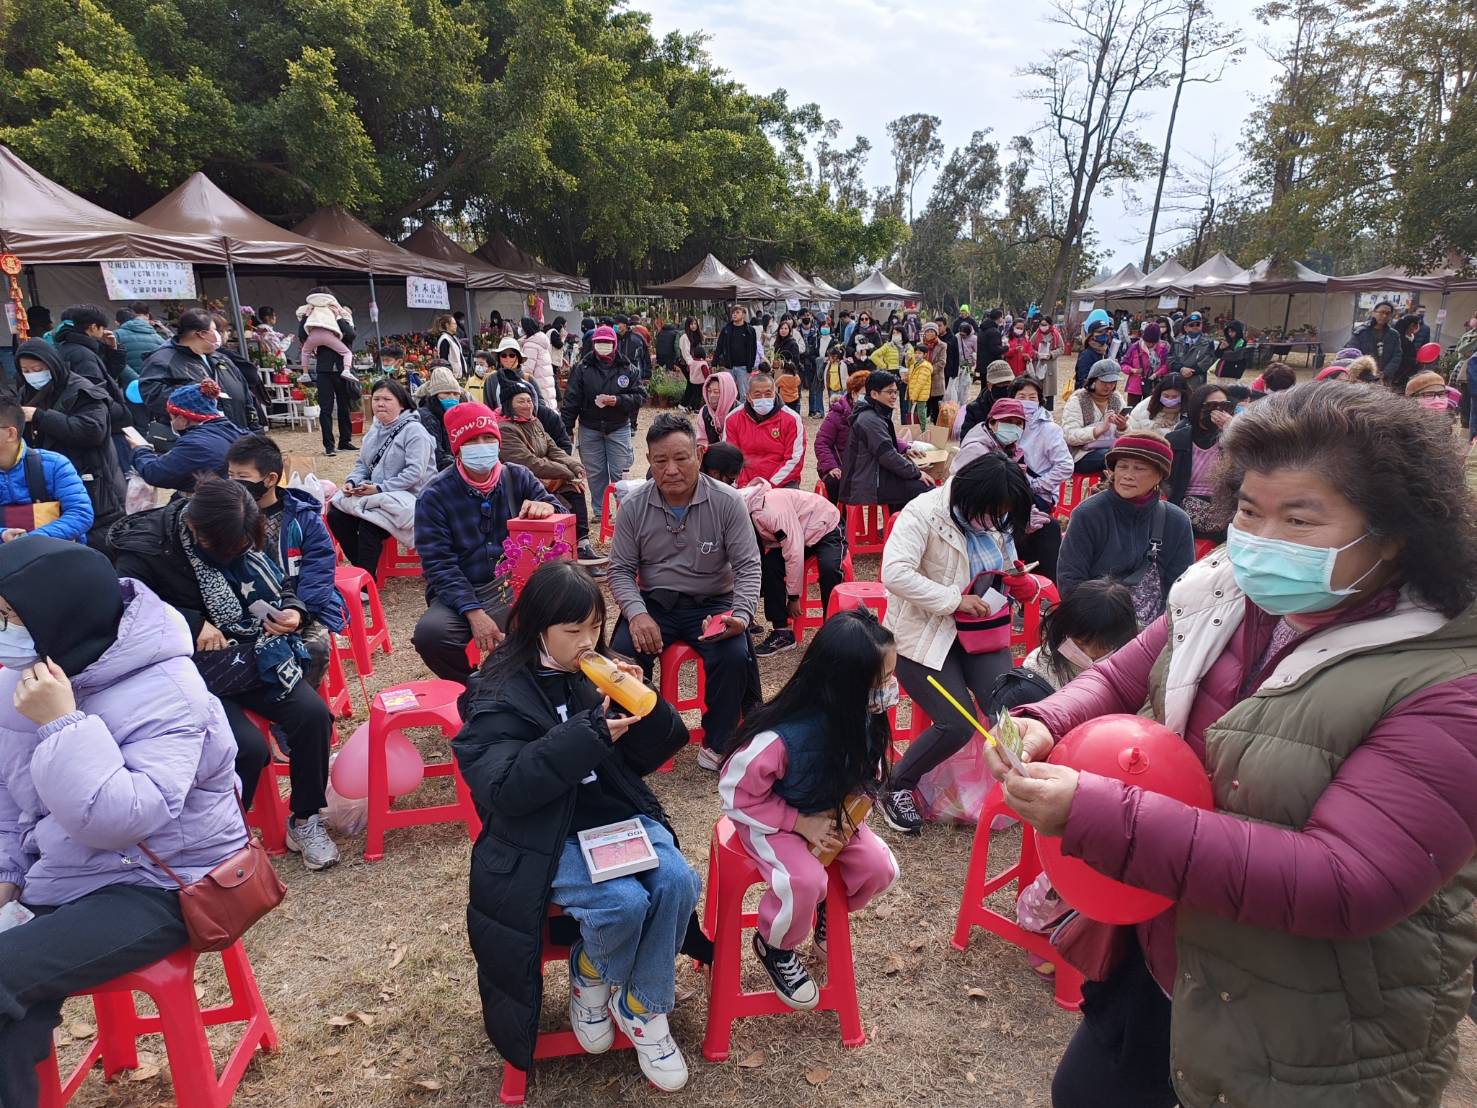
(309,396)
(666,388)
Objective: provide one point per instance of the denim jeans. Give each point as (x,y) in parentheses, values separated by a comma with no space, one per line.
(632,927)
(740,375)
(606,455)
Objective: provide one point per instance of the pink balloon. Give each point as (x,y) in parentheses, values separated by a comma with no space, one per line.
(403,765)
(1138,751)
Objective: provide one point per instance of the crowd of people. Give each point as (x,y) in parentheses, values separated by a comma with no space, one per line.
(1255,567)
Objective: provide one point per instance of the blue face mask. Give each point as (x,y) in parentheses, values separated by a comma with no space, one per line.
(764,405)
(479,457)
(448,403)
(1007,434)
(1286,578)
(38,381)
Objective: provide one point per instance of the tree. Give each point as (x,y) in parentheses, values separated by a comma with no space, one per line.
(1218,214)
(1201,43)
(916,149)
(1089,89)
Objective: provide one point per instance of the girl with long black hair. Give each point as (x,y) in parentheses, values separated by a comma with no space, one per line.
(786,784)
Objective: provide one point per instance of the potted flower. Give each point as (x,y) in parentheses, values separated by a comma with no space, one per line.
(309,396)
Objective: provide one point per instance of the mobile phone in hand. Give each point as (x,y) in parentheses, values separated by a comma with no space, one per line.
(133,438)
(715,624)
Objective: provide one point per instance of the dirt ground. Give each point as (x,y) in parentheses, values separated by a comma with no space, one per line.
(372,987)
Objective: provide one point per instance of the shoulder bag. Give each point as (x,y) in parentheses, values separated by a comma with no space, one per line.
(1145,582)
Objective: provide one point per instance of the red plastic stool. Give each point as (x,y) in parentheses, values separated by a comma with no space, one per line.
(607,513)
(435,707)
(811,612)
(1072,492)
(859,594)
(1029,636)
(269,810)
(918,722)
(170,984)
(334,688)
(730,875)
(395,562)
(978,885)
(550,1044)
(365,636)
(865,527)
(672,659)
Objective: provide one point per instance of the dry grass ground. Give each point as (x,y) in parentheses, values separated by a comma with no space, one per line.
(385,946)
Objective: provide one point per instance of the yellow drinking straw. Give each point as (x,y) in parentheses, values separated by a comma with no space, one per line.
(1009,754)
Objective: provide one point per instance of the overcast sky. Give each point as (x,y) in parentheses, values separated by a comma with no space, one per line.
(866,62)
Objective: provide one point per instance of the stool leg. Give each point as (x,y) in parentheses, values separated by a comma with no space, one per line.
(379,798)
(117,1032)
(515,1085)
(725,981)
(49,1082)
(974,880)
(191,1065)
(840,971)
(246,997)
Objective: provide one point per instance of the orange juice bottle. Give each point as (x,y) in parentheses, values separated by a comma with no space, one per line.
(629,692)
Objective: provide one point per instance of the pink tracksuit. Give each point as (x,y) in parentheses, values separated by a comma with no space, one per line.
(796,879)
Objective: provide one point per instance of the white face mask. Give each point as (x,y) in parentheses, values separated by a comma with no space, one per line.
(17,648)
(604,349)
(1077,656)
(764,405)
(546,659)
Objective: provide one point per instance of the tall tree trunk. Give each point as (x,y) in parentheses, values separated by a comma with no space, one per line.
(1163,167)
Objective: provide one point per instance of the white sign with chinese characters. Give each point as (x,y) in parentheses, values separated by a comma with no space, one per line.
(426,292)
(146,279)
(1168,303)
(560,301)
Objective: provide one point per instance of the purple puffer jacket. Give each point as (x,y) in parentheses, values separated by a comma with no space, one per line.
(830,440)
(148,755)
(1399,819)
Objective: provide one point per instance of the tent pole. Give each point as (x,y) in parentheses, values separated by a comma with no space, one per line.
(474,325)
(1322,323)
(1436,332)
(375,316)
(1287,315)
(235,295)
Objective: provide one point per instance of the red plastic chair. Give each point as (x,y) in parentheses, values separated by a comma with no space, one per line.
(979,885)
(395,562)
(1029,637)
(866,526)
(269,810)
(170,984)
(365,635)
(435,707)
(918,722)
(335,686)
(811,612)
(859,594)
(550,1044)
(672,659)
(731,873)
(607,514)
(1072,492)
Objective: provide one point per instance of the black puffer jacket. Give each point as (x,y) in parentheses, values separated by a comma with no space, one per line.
(874,471)
(173,365)
(592,377)
(86,357)
(523,767)
(72,417)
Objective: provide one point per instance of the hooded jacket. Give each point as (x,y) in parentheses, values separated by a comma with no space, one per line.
(592,377)
(712,420)
(773,444)
(72,419)
(789,520)
(1384,347)
(307,558)
(200,448)
(102,365)
(137,339)
(526,443)
(873,469)
(1041,450)
(538,361)
(433,419)
(148,755)
(173,365)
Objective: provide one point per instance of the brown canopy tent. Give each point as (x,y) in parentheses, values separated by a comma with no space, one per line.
(1390,278)
(502,252)
(750,270)
(710,279)
(878,287)
(432,242)
(787,274)
(824,290)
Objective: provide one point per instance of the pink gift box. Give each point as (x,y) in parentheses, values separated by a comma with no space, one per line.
(541,535)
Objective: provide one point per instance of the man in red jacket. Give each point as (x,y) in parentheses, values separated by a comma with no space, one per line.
(771,435)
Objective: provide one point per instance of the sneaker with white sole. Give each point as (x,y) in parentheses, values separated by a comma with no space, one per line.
(777,642)
(589,1008)
(792,981)
(310,838)
(656,1050)
(900,813)
(709,759)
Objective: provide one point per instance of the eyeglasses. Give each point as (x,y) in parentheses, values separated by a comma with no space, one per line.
(1428,394)
(1220,406)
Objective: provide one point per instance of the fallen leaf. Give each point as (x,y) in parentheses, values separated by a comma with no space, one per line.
(332,1052)
(918,942)
(429,1083)
(363,1017)
(971,1078)
(340,1021)
(397,957)
(144,1073)
(895,964)
(882,911)
(817,1075)
(751,1061)
(977,993)
(80,1030)
(199,992)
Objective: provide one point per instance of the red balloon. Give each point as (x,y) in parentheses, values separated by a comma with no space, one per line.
(1141,752)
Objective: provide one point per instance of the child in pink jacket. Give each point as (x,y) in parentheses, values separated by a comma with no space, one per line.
(793,526)
(786,783)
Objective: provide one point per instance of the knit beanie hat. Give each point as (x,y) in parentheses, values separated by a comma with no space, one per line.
(195,402)
(999,372)
(441,380)
(467,421)
(1146,446)
(1421,381)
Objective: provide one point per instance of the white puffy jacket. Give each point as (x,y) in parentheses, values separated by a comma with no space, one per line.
(925,567)
(538,366)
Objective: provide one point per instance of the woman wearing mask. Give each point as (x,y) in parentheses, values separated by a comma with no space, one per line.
(1321,668)
(874,468)
(889,356)
(377,500)
(692,360)
(1428,389)
(1019,349)
(720,397)
(1197,452)
(1047,340)
(110,745)
(603,397)
(526,443)
(203,555)
(437,396)
(1163,408)
(1143,361)
(191,358)
(949,550)
(787,347)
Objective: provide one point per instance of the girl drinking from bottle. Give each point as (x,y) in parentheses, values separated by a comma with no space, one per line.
(546,756)
(796,785)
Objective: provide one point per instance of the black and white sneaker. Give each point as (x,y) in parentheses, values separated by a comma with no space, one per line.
(900,813)
(792,982)
(777,643)
(818,936)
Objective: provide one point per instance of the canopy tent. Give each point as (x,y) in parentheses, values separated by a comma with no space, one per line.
(1126,278)
(1216,276)
(1389,279)
(824,289)
(750,270)
(46,224)
(432,242)
(504,253)
(710,279)
(1286,279)
(1156,283)
(878,287)
(336,227)
(786,274)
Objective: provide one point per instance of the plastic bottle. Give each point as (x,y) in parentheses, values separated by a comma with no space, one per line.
(629,692)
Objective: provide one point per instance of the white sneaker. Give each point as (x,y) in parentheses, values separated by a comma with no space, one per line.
(589,1009)
(656,1050)
(709,759)
(310,839)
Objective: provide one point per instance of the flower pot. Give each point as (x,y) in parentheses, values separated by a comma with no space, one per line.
(298,394)
(311,411)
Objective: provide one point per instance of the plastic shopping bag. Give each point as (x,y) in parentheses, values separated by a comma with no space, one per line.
(346,817)
(955,790)
(140,496)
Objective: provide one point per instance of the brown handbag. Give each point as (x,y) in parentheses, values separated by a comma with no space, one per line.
(222,906)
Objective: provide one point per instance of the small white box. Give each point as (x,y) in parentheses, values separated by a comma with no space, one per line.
(617,850)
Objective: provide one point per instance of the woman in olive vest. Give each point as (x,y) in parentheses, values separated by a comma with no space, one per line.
(1324,667)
